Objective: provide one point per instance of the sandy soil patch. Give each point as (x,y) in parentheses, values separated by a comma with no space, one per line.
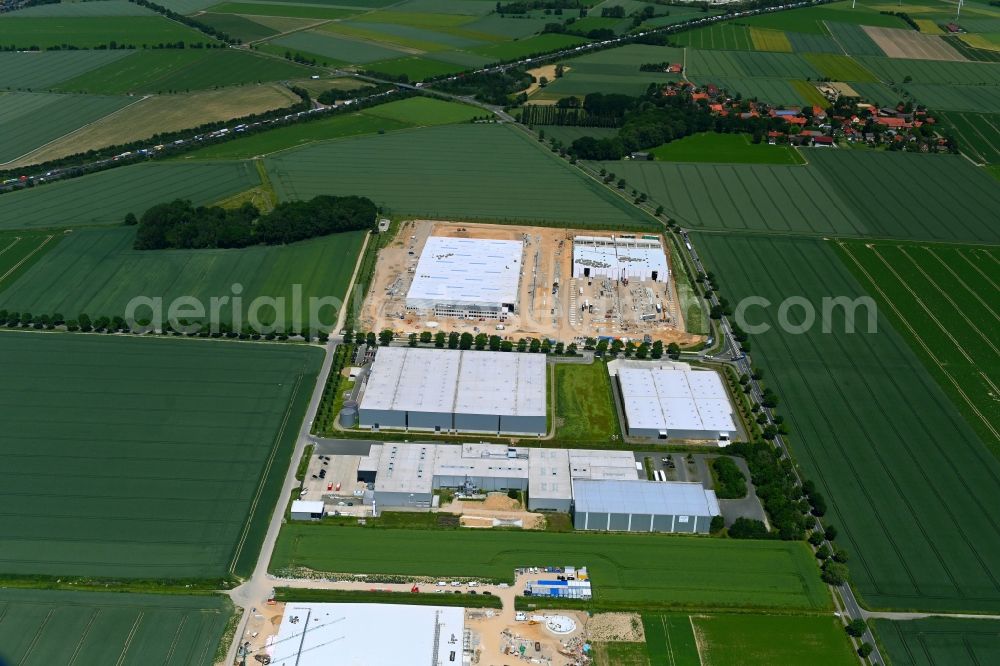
(548,71)
(912,45)
(164,113)
(543,312)
(625,627)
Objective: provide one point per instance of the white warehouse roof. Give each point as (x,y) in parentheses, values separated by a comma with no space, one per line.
(466,271)
(617,257)
(464,382)
(664,399)
(639,496)
(307,506)
(355,635)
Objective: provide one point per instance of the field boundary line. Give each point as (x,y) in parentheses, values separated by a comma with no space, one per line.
(177,635)
(697,643)
(249,17)
(961,312)
(976,268)
(37,636)
(30,255)
(13,163)
(130,638)
(923,345)
(263,477)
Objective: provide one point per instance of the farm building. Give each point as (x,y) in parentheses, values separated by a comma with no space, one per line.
(620,257)
(315,634)
(306,510)
(471,278)
(643,506)
(455,391)
(662,402)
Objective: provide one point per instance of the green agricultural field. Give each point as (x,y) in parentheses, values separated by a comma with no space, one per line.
(733,197)
(200,430)
(507,27)
(106,197)
(840,68)
(450,185)
(939,297)
(806,42)
(420,30)
(613,71)
(908,195)
(30,120)
(585,408)
(239,27)
(978,134)
(530,46)
(19,250)
(971,98)
(43,69)
(670,640)
(854,40)
(618,653)
(733,640)
(707,64)
(303,11)
(336,48)
(183,70)
(83,9)
(765,39)
(867,422)
(96,271)
(788,92)
(403,114)
(415,68)
(812,19)
(722,36)
(726,149)
(92,31)
(96,629)
(570,133)
(933,71)
(627,570)
(939,641)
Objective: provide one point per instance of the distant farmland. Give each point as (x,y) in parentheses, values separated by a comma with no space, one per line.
(105,197)
(525,182)
(942,298)
(43,69)
(97,629)
(96,271)
(627,569)
(167,454)
(93,31)
(907,480)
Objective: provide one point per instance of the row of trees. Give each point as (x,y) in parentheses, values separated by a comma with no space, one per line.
(212,31)
(178,224)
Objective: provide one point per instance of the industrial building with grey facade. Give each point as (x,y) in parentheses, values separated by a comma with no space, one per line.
(602,489)
(441,390)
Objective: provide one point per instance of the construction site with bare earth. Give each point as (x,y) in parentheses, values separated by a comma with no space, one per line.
(525,282)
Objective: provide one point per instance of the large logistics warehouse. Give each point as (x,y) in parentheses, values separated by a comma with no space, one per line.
(663,402)
(620,257)
(642,506)
(442,390)
(471,278)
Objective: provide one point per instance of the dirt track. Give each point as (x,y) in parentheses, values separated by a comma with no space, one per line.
(543,312)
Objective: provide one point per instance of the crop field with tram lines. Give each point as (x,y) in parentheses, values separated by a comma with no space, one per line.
(197,430)
(979,134)
(867,420)
(940,641)
(104,198)
(547,190)
(100,628)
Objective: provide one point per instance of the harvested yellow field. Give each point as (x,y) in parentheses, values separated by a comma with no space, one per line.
(765,39)
(928,27)
(909,44)
(164,113)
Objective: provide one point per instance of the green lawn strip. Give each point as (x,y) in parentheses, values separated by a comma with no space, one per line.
(584,404)
(725,148)
(95,629)
(627,570)
(373,596)
(731,640)
(192,427)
